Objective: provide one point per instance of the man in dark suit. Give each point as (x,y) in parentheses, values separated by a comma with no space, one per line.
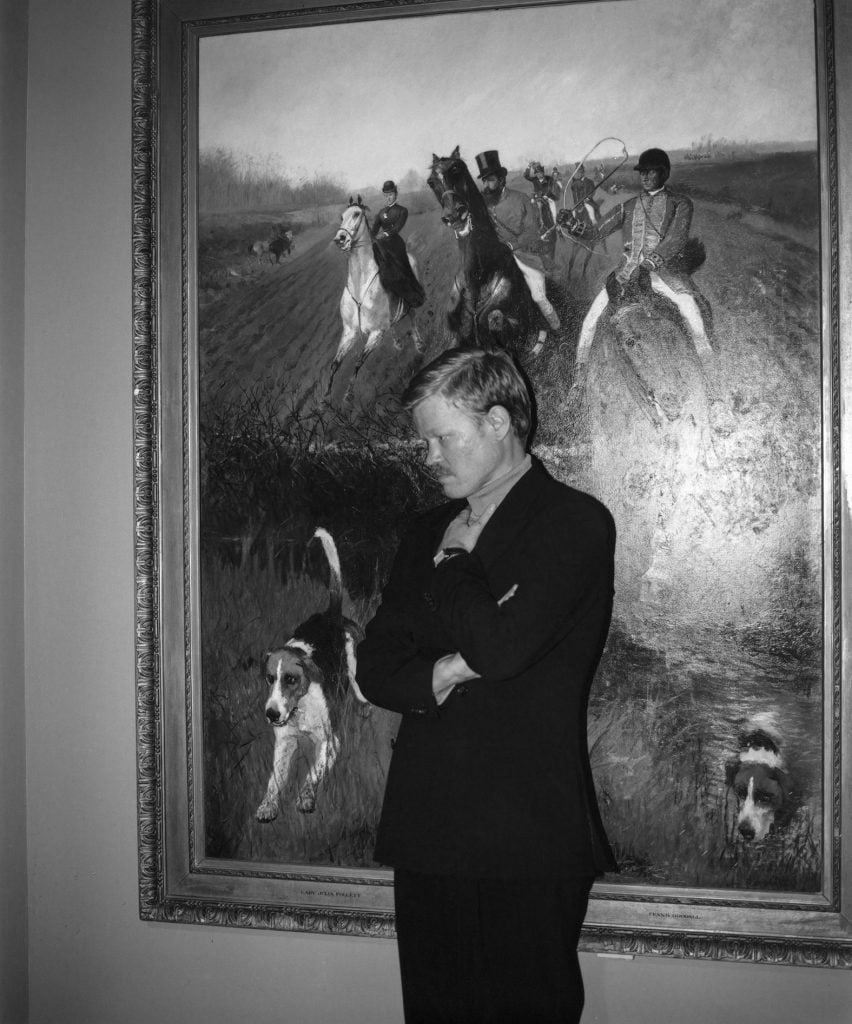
(389,249)
(486,641)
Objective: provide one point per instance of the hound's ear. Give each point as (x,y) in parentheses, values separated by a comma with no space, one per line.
(435,159)
(455,153)
(350,201)
(359,200)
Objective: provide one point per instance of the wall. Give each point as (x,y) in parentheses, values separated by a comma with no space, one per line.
(91,961)
(13,847)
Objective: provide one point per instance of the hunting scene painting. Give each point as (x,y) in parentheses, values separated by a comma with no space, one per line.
(688,401)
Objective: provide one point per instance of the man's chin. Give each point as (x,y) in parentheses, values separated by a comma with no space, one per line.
(451,488)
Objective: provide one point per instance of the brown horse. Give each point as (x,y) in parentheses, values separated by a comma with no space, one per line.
(489,305)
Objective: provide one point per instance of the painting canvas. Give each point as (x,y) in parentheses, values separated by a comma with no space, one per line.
(710,718)
(716,491)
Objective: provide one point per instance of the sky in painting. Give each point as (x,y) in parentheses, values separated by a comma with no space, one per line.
(366,101)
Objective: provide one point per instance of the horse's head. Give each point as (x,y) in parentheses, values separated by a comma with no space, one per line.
(454,189)
(354,227)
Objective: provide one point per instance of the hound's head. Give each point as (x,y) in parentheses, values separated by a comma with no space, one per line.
(759,779)
(762,793)
(290,671)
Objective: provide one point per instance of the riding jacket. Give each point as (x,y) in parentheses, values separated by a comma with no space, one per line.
(655,230)
(390,219)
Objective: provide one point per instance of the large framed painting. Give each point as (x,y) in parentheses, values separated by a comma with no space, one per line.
(307,195)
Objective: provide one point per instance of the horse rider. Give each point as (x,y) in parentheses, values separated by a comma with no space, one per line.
(583,190)
(544,185)
(545,194)
(655,225)
(391,255)
(516,224)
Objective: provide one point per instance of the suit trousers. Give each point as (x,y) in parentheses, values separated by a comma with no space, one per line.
(490,951)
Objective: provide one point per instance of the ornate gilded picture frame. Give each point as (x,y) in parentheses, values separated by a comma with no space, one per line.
(274,469)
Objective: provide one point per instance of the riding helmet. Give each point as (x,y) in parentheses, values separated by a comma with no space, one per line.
(654,159)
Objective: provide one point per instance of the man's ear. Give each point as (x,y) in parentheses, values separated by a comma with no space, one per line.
(499,420)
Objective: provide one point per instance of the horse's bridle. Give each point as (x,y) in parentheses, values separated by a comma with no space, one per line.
(460,225)
(349,235)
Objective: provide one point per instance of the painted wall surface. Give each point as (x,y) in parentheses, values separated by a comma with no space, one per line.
(13,844)
(91,961)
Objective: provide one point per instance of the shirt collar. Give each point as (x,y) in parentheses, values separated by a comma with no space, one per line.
(496,490)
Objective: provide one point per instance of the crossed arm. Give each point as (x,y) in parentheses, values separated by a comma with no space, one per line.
(494,637)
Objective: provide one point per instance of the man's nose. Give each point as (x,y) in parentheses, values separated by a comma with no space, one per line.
(432,454)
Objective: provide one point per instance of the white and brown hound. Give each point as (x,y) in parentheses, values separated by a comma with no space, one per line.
(759,779)
(308,681)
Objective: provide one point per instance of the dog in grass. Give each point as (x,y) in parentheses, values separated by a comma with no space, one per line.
(759,780)
(309,678)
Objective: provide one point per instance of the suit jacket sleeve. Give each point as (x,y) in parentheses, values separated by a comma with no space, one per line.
(559,565)
(394,666)
(612,220)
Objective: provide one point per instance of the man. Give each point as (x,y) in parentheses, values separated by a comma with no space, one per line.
(545,194)
(391,255)
(516,222)
(583,192)
(586,210)
(656,226)
(486,641)
(544,185)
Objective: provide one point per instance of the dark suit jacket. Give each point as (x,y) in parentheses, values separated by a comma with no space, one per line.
(496,781)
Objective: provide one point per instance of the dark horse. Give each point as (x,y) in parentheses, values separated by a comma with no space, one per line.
(490,305)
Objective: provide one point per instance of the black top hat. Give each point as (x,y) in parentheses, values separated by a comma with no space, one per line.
(489,163)
(652,159)
(389,186)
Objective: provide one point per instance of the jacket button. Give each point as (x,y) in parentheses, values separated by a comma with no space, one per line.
(461,689)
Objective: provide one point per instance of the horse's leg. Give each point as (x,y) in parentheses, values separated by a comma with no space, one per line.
(373,339)
(347,340)
(460,319)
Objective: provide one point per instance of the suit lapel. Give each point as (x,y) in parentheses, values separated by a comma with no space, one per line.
(511,516)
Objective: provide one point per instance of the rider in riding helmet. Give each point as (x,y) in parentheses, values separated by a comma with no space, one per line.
(516,223)
(389,247)
(655,225)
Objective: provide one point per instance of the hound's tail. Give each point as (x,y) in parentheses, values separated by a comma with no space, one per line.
(335,585)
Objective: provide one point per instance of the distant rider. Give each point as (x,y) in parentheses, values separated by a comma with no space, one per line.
(655,226)
(516,223)
(389,248)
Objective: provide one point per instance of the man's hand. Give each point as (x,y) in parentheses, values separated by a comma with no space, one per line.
(570,223)
(447,673)
(464,530)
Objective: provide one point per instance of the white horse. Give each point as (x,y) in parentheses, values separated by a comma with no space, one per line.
(366,308)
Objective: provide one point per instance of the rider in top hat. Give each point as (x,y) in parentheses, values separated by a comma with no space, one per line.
(515,219)
(389,248)
(655,225)
(544,185)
